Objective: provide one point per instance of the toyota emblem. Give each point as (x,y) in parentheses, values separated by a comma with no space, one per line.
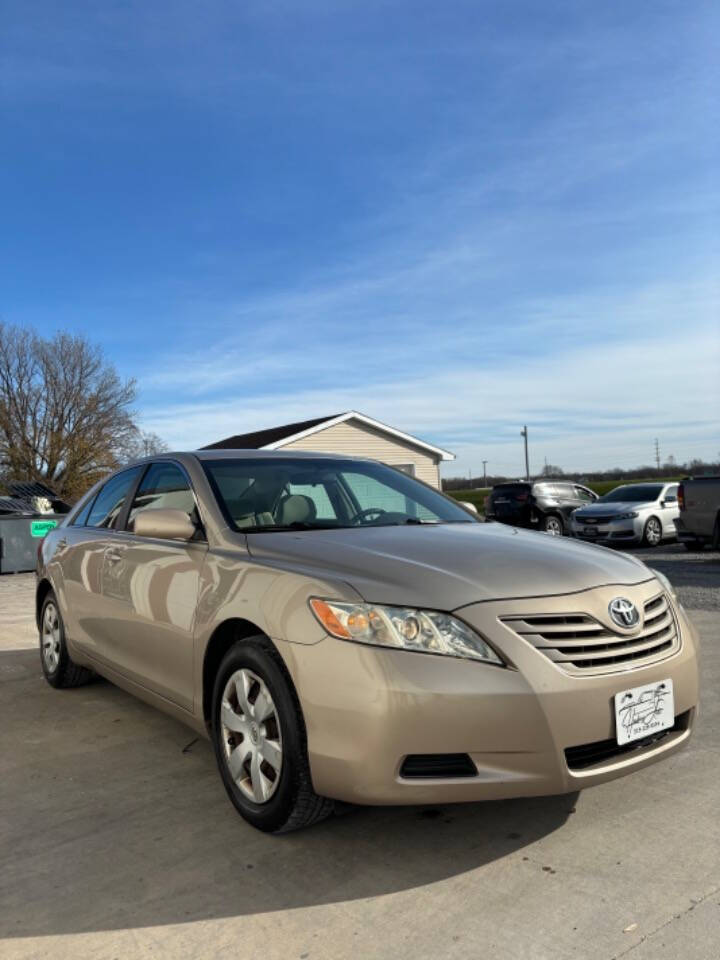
(624,612)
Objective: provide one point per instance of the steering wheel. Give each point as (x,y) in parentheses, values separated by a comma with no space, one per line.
(369,511)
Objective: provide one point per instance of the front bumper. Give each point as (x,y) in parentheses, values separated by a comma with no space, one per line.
(613,531)
(366,709)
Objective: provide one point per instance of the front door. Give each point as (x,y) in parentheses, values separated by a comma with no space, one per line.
(150,591)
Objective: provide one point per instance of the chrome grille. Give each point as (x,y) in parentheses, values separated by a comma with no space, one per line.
(580,644)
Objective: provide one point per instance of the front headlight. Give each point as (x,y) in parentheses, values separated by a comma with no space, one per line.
(665,584)
(627,516)
(424,631)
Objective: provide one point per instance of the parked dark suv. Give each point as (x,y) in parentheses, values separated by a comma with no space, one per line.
(540,505)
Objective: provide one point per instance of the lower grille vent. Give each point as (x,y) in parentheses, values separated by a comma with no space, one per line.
(589,754)
(438,766)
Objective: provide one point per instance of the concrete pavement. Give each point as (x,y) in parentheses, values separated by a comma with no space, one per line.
(117,840)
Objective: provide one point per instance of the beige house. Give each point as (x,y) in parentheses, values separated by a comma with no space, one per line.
(348,434)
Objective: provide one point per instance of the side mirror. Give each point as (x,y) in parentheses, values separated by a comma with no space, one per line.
(164,524)
(468,506)
(667,501)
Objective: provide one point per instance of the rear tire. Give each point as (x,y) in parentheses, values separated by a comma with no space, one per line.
(58,667)
(553,525)
(260,742)
(652,534)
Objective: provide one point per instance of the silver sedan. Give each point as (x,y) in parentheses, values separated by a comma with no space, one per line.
(633,513)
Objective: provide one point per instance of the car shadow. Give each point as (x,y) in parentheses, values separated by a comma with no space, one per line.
(116,817)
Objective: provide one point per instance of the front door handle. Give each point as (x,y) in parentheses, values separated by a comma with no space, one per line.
(113,556)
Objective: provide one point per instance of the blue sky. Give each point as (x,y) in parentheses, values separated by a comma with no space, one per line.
(457,218)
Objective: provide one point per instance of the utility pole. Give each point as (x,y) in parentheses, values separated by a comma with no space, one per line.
(657,454)
(523,433)
(484,473)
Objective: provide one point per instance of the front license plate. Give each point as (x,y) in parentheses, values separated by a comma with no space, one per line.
(590,531)
(645,710)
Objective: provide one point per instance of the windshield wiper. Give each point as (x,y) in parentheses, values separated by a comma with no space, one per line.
(295,525)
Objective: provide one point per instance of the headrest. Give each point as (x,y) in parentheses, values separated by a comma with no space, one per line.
(296,509)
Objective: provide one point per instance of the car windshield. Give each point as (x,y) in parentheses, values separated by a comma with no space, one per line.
(633,493)
(302,494)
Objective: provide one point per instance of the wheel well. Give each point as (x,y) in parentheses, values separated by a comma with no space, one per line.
(42,590)
(220,642)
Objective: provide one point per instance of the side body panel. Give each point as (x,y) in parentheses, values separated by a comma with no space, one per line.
(150,590)
(75,572)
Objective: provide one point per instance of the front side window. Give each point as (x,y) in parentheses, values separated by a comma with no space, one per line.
(109,502)
(582,494)
(81,519)
(290,494)
(163,486)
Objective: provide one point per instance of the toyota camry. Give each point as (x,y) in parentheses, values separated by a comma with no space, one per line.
(343,632)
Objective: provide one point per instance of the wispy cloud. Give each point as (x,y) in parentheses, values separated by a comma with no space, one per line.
(456,218)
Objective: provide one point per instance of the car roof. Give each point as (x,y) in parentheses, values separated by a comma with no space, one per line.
(251,454)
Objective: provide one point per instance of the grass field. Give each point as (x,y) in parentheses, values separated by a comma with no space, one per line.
(601,487)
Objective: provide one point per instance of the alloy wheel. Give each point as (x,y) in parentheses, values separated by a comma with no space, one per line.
(653,532)
(51,637)
(553,527)
(251,735)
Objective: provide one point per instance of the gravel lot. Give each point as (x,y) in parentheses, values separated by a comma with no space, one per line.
(695,576)
(117,840)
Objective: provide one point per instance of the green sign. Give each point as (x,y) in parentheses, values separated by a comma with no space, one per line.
(38,528)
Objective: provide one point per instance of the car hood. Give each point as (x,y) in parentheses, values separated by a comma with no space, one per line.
(447,566)
(612,509)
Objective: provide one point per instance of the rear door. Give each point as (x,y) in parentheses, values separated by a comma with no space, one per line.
(566,498)
(80,557)
(150,591)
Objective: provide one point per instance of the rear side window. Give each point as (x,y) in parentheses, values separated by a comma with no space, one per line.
(109,502)
(511,491)
(163,486)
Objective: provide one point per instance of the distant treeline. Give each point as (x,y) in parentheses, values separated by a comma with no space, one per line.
(669,469)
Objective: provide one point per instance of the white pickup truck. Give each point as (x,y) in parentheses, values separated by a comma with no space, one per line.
(699,520)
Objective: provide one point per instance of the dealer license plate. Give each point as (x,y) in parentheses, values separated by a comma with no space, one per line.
(645,710)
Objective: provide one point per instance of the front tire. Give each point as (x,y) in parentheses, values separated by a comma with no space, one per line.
(652,534)
(553,525)
(58,667)
(259,737)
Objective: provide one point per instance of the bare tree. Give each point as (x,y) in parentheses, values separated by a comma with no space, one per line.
(145,444)
(65,414)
